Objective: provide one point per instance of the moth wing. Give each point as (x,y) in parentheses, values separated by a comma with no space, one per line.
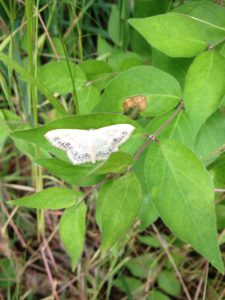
(78,144)
(109,138)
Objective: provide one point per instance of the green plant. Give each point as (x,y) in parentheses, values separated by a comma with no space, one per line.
(171,168)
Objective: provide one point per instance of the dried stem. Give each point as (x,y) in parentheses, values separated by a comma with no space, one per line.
(165,247)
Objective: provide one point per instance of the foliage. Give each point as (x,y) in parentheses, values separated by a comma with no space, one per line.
(160,68)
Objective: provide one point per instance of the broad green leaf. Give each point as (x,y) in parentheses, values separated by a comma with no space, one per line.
(168,282)
(148,213)
(76,175)
(92,121)
(173,34)
(204,86)
(211,138)
(118,204)
(175,66)
(72,231)
(86,175)
(121,61)
(52,198)
(162,91)
(87,97)
(182,192)
(180,129)
(118,162)
(29,78)
(144,9)
(209,13)
(98,72)
(61,77)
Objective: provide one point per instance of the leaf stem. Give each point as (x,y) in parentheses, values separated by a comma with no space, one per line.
(210,47)
(153,137)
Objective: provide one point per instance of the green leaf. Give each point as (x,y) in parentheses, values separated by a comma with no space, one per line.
(121,61)
(169,283)
(180,129)
(76,175)
(92,121)
(162,91)
(114,25)
(86,175)
(118,204)
(211,137)
(52,198)
(29,78)
(210,14)
(72,231)
(118,162)
(145,9)
(174,34)
(58,77)
(98,72)
(204,86)
(182,192)
(175,66)
(87,97)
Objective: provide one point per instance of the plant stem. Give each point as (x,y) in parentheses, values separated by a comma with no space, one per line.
(158,131)
(33,97)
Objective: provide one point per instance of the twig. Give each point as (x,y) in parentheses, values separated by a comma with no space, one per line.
(48,36)
(165,247)
(49,274)
(210,47)
(205,285)
(19,187)
(219,190)
(198,290)
(153,137)
(11,222)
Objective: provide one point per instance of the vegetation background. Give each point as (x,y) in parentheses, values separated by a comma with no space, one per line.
(40,41)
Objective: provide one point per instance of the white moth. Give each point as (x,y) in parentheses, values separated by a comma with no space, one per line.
(84,146)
